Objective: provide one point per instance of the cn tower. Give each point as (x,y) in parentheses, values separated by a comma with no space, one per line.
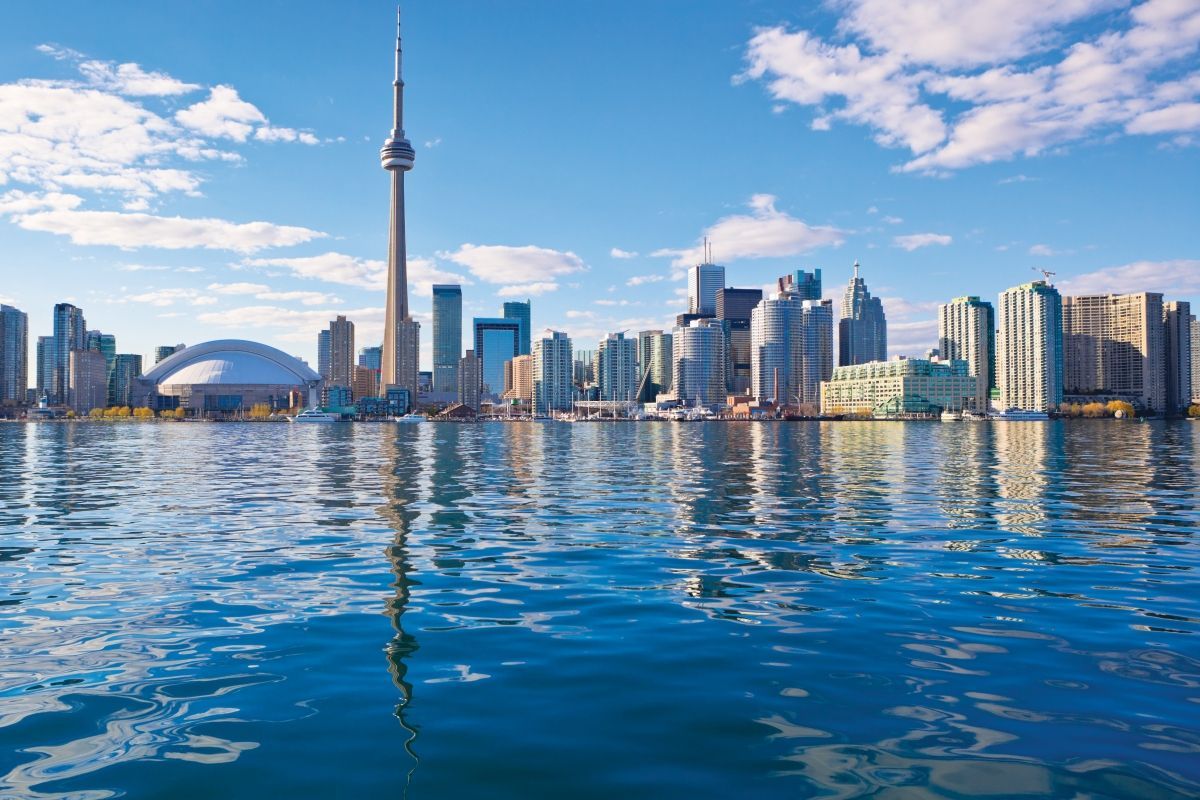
(401,334)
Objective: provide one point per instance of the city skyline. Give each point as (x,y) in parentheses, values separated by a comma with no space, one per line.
(158,239)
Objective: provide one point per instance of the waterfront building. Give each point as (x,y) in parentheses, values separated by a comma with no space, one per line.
(122,380)
(70,333)
(1195,335)
(518,379)
(365,383)
(14,356)
(447,336)
(1029,347)
(338,367)
(520,310)
(585,367)
(704,280)
(166,351)
(616,368)
(1113,348)
(324,346)
(967,332)
(898,388)
(734,307)
(698,351)
(655,364)
(862,330)
(1177,342)
(804,285)
(87,381)
(469,380)
(791,349)
(45,367)
(401,333)
(220,378)
(103,343)
(497,339)
(552,373)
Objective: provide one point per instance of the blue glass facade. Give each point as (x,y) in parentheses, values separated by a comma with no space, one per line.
(447,336)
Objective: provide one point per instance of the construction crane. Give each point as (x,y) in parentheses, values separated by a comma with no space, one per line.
(1045,273)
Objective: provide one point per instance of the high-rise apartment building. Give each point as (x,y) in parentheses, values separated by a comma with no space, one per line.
(698,377)
(518,379)
(616,368)
(520,310)
(70,333)
(87,381)
(14,356)
(122,380)
(703,282)
(734,307)
(791,349)
(1029,347)
(365,383)
(654,364)
(862,330)
(166,351)
(45,367)
(1195,332)
(497,339)
(553,388)
(340,358)
(447,335)
(324,344)
(105,344)
(1113,348)
(804,285)
(469,380)
(1177,341)
(967,332)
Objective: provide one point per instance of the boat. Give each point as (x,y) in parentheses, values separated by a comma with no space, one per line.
(974,416)
(410,418)
(1022,415)
(315,415)
(951,416)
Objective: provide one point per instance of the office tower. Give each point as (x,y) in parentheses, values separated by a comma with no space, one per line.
(166,351)
(371,357)
(791,349)
(496,340)
(552,373)
(103,343)
(518,379)
(703,282)
(804,285)
(520,311)
(967,332)
(70,333)
(1029,347)
(14,356)
(338,343)
(469,380)
(87,381)
(905,386)
(45,367)
(733,309)
(122,380)
(1177,318)
(699,369)
(862,330)
(401,333)
(1195,335)
(585,367)
(616,368)
(447,335)
(1113,348)
(324,344)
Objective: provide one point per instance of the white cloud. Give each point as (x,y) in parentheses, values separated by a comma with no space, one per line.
(912,241)
(527,289)
(238,288)
(296,324)
(899,309)
(223,114)
(617,252)
(1041,250)
(989,65)
(19,202)
(912,338)
(361,272)
(169,297)
(129,231)
(1174,278)
(892,220)
(432,143)
(507,265)
(261,291)
(765,232)
(638,280)
(131,79)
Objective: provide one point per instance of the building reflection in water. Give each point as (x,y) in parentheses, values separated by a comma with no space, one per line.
(1021,475)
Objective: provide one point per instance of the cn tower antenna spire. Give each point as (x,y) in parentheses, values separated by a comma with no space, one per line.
(398,83)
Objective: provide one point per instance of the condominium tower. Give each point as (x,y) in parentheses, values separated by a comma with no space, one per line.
(552,373)
(1177,341)
(1114,348)
(70,333)
(339,369)
(1029,347)
(699,369)
(616,367)
(14,355)
(967,332)
(791,349)
(447,335)
(862,330)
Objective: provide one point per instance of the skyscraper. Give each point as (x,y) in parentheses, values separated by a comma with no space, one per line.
(805,285)
(14,356)
(340,365)
(518,379)
(699,369)
(1029,347)
(1195,330)
(469,380)
(166,351)
(324,345)
(45,367)
(1177,318)
(703,282)
(734,307)
(447,335)
(1113,347)
(401,333)
(552,373)
(496,340)
(519,310)
(87,382)
(966,332)
(121,381)
(791,349)
(616,368)
(862,330)
(70,333)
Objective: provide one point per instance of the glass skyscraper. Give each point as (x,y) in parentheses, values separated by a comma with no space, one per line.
(70,333)
(447,336)
(14,356)
(497,339)
(804,285)
(862,331)
(520,310)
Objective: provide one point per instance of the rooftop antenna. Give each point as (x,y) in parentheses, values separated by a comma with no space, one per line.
(1045,274)
(856,269)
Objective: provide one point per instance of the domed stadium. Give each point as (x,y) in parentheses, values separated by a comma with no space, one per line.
(226,377)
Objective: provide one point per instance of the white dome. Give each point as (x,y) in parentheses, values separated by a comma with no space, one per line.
(231,361)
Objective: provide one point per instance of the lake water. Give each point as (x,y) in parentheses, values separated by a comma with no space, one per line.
(600,610)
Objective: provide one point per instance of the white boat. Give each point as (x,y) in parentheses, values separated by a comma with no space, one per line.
(1022,415)
(974,416)
(313,415)
(951,416)
(410,418)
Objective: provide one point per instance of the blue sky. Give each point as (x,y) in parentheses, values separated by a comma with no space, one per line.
(210,170)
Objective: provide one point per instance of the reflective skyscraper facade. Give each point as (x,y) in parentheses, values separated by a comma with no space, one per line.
(14,356)
(70,333)
(703,282)
(447,335)
(862,330)
(520,310)
(497,340)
